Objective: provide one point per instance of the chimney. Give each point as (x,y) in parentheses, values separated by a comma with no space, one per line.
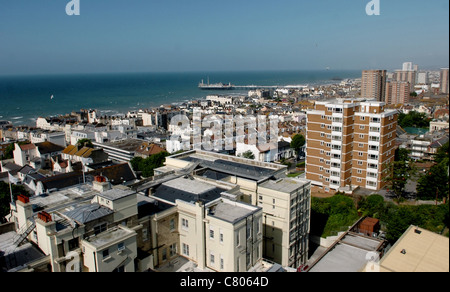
(100,184)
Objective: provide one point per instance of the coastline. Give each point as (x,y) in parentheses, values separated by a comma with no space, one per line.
(117,94)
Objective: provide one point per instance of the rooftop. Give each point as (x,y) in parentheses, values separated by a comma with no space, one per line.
(188,189)
(284,185)
(115,194)
(240,167)
(418,250)
(232,211)
(109,237)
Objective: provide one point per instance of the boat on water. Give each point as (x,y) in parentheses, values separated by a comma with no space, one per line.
(215,86)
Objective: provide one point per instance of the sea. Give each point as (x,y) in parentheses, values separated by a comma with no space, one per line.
(25,98)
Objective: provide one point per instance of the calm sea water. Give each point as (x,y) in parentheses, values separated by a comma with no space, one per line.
(24,98)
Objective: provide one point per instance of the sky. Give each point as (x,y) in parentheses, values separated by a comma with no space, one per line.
(38,37)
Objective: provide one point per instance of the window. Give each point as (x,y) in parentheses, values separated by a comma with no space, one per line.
(238,239)
(185,249)
(100,228)
(361,136)
(221,236)
(164,254)
(322,135)
(172,224)
(362,127)
(211,233)
(185,224)
(359,171)
(173,250)
(211,258)
(121,247)
(105,253)
(222,264)
(144,234)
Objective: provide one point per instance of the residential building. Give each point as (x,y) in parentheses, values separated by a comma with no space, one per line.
(397,92)
(373,84)
(121,151)
(444,81)
(285,202)
(348,144)
(36,155)
(286,207)
(406,76)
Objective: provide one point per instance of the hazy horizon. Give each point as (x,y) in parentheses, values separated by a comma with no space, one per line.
(118,36)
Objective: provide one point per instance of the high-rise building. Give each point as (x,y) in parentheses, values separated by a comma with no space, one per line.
(422,78)
(444,81)
(349,143)
(408,66)
(397,92)
(408,76)
(373,84)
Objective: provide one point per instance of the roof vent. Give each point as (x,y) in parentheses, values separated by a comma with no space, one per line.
(418,231)
(403,251)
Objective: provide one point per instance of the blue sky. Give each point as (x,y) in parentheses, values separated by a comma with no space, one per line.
(37,37)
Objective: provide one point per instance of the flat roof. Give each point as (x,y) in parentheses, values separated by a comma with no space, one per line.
(115,194)
(418,250)
(284,185)
(232,211)
(109,237)
(188,189)
(245,168)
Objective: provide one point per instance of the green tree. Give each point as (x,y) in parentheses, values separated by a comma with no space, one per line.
(413,119)
(298,142)
(148,165)
(85,143)
(5,196)
(434,184)
(442,154)
(372,206)
(249,155)
(399,172)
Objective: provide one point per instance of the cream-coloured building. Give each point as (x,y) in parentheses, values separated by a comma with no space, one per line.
(418,250)
(285,202)
(213,211)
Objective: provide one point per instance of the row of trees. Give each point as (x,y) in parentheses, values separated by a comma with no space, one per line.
(430,186)
(330,215)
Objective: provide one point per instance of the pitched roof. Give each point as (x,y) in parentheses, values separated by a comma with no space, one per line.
(48,147)
(27,147)
(116,174)
(150,149)
(68,149)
